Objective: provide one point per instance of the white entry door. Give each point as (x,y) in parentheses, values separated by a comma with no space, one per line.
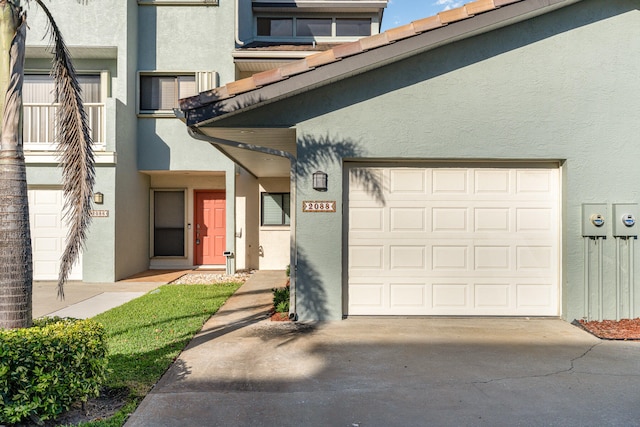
(454,241)
(48,234)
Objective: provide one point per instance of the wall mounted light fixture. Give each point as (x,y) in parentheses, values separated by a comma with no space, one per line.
(320,181)
(98,198)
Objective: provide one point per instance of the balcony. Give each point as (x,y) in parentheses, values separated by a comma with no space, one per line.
(40,131)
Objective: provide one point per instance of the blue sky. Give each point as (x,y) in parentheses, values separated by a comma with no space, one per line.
(400,12)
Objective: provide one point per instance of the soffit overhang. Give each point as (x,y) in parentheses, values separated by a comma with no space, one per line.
(260,164)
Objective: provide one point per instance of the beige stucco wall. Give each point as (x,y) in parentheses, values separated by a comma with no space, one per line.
(274,241)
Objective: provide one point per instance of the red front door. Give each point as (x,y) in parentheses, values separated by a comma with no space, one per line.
(210,229)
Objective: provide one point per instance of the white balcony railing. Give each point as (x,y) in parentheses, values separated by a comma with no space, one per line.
(40,131)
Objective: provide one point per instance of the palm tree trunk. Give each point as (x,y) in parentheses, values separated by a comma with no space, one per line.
(16,273)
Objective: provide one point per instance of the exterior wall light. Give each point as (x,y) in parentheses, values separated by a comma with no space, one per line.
(98,198)
(320,181)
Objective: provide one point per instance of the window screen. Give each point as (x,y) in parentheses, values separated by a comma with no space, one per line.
(275,27)
(168,223)
(313,27)
(275,208)
(163,92)
(353,27)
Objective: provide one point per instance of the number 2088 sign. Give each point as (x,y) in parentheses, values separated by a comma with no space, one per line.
(318,206)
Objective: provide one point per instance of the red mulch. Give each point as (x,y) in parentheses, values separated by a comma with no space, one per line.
(624,329)
(280,317)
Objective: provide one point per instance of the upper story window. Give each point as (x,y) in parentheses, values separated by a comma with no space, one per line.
(353,27)
(40,109)
(311,28)
(160,93)
(275,27)
(39,88)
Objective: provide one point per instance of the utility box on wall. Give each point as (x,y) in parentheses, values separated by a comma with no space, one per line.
(595,218)
(625,216)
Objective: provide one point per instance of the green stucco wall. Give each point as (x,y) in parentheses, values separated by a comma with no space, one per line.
(563,87)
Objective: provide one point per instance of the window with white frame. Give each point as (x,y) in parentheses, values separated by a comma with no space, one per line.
(276,209)
(159,93)
(40,109)
(311,28)
(168,223)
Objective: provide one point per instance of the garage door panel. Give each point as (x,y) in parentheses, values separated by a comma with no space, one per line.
(367,219)
(48,234)
(407,219)
(541,258)
(450,295)
(366,257)
(492,295)
(407,257)
(496,181)
(491,243)
(492,219)
(411,295)
(450,181)
(450,219)
(403,181)
(492,258)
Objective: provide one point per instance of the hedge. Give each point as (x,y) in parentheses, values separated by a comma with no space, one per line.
(48,367)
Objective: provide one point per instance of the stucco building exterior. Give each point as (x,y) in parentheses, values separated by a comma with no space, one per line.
(479,162)
(166,200)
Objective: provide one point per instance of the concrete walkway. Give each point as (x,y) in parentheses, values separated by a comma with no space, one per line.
(84,300)
(243,370)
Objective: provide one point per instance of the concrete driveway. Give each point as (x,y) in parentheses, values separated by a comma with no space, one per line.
(243,370)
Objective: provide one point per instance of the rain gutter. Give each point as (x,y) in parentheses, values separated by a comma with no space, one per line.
(293,254)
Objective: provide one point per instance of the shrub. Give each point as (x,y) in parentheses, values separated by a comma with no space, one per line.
(46,368)
(281,299)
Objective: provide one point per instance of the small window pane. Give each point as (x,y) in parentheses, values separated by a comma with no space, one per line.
(313,27)
(163,92)
(168,223)
(353,27)
(275,209)
(275,27)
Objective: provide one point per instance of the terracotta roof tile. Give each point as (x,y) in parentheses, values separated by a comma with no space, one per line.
(295,67)
(453,15)
(318,59)
(400,33)
(479,6)
(240,86)
(427,24)
(347,49)
(268,77)
(373,42)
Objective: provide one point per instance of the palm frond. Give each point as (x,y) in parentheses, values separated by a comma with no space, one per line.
(74,150)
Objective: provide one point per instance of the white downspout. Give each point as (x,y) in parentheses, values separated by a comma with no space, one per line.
(237,23)
(293,255)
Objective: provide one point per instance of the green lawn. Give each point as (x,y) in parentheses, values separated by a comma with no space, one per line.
(147,334)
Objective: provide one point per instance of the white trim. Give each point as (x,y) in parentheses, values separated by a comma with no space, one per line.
(204,80)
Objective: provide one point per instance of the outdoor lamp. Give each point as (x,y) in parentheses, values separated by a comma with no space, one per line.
(98,198)
(320,181)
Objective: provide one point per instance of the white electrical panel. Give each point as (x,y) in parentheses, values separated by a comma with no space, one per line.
(625,217)
(595,220)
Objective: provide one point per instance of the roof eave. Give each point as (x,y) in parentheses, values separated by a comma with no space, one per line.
(207,109)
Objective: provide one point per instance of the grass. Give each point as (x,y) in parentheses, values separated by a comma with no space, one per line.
(147,334)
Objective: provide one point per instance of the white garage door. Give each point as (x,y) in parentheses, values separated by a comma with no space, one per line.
(454,241)
(48,234)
